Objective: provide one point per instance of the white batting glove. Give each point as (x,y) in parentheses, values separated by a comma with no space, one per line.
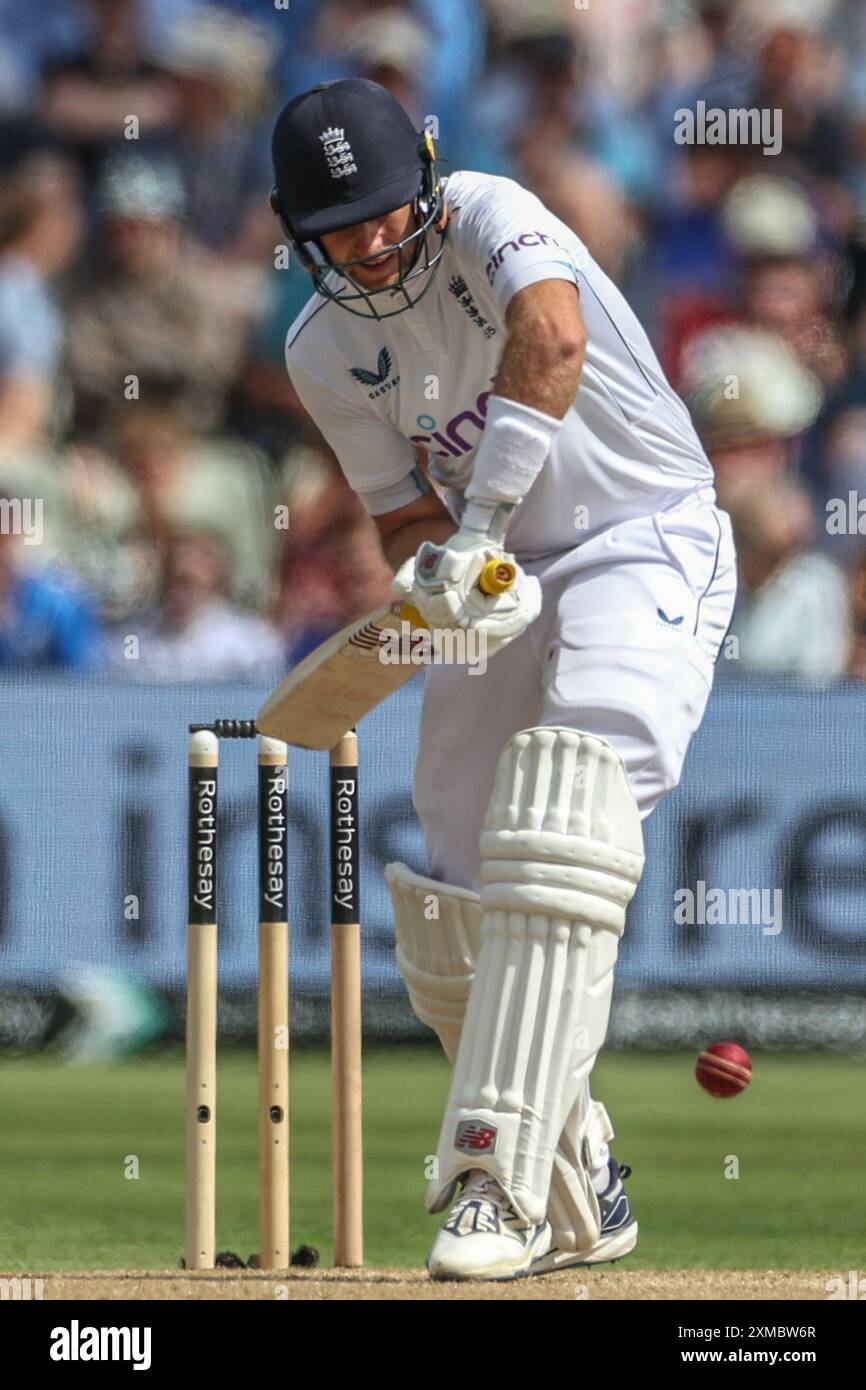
(441,581)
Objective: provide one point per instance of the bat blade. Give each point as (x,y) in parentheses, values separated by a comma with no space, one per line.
(338,683)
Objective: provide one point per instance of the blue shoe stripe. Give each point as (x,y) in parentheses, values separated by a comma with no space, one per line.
(618,1215)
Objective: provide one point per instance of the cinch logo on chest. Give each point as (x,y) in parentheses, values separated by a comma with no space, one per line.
(460,435)
(380,378)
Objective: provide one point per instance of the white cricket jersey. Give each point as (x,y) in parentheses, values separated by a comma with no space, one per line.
(379,390)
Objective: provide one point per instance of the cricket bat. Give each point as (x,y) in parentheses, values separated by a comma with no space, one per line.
(346,677)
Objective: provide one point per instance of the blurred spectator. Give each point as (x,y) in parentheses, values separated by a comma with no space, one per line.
(749,396)
(541,100)
(331,567)
(743,384)
(311,605)
(151,307)
(266,409)
(156,477)
(33,35)
(213,484)
(857,333)
(749,271)
(690,249)
(320,49)
(45,619)
(789,297)
(841,475)
(218,67)
(796,73)
(530,82)
(89,96)
(765,215)
(709,61)
(857,591)
(778,277)
(788,284)
(792,612)
(582,194)
(40,228)
(393,48)
(550,66)
(194,632)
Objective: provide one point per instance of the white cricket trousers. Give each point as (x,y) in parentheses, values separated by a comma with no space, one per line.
(625,646)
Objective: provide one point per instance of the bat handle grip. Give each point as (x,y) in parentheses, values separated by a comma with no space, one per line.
(497,577)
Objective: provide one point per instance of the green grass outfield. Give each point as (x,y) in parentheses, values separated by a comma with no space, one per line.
(68,1134)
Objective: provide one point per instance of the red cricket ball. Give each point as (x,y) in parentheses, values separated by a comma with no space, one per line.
(724,1069)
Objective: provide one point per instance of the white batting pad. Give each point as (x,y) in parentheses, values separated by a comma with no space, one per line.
(438,936)
(561,857)
(572,1207)
(438,931)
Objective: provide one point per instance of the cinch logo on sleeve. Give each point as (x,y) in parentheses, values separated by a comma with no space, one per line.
(519,244)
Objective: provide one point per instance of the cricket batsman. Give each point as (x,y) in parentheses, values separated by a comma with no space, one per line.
(490,395)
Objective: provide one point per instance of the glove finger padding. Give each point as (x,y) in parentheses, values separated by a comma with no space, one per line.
(441,582)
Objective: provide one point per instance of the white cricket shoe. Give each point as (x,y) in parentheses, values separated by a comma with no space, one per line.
(484,1237)
(618,1234)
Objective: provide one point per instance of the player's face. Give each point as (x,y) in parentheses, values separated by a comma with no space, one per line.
(367,241)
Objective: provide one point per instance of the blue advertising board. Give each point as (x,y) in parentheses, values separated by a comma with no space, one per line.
(93,840)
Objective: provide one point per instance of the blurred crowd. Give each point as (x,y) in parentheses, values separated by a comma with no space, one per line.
(191,520)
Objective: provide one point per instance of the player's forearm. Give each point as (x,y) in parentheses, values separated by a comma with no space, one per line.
(543,355)
(538,376)
(403,530)
(408,539)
